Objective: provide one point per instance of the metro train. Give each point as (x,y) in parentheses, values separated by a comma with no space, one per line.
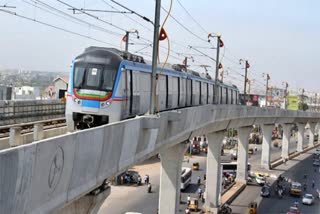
(108,85)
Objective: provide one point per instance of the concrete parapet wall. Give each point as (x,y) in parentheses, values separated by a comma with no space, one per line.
(28,138)
(46,175)
(23,111)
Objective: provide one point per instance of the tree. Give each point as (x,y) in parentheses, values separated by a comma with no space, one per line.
(303,106)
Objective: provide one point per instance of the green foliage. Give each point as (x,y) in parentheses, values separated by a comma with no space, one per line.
(303,106)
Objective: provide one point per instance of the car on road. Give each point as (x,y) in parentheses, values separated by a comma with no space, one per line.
(308,199)
(250,151)
(131,177)
(265,191)
(295,189)
(196,166)
(234,154)
(293,210)
(317,152)
(316,163)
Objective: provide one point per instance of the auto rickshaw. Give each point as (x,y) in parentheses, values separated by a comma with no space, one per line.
(250,151)
(193,205)
(252,208)
(195,166)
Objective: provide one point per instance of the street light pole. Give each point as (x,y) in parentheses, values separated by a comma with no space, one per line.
(155,55)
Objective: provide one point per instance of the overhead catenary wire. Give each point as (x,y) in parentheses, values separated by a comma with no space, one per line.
(184,27)
(37,3)
(127,16)
(92,16)
(195,21)
(55,27)
(133,12)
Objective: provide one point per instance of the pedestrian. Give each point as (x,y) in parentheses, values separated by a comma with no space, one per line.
(204,176)
(198,180)
(199,192)
(188,199)
(312,183)
(187,211)
(139,181)
(145,179)
(148,179)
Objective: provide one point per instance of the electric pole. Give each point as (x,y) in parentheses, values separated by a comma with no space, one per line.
(245,83)
(155,55)
(216,82)
(286,96)
(267,87)
(127,41)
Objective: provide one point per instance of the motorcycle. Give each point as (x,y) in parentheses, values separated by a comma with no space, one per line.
(225,209)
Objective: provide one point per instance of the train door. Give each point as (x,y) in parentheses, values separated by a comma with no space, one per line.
(126,79)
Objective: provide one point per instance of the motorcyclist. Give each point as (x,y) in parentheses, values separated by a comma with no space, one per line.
(198,180)
(149,187)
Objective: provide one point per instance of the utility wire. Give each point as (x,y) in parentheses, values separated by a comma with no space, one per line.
(195,21)
(55,27)
(133,12)
(184,27)
(37,3)
(202,53)
(92,16)
(127,16)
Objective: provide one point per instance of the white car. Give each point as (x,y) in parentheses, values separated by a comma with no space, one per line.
(317,152)
(261,180)
(307,199)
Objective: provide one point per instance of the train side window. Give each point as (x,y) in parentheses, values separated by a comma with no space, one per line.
(220,95)
(213,93)
(179,91)
(237,97)
(227,96)
(232,96)
(207,93)
(167,91)
(131,91)
(200,92)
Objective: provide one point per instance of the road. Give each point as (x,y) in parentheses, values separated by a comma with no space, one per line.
(136,199)
(294,169)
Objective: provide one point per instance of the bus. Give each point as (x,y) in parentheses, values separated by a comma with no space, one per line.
(231,167)
(186,174)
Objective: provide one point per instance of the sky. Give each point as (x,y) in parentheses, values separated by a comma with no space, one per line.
(280,38)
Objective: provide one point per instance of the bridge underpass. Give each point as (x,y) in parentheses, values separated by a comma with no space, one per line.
(48,175)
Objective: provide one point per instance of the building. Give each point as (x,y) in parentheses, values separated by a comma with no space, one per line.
(61,86)
(5,93)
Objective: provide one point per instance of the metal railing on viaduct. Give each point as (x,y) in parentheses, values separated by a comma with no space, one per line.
(50,174)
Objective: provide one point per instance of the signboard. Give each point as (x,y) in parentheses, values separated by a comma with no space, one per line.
(293,102)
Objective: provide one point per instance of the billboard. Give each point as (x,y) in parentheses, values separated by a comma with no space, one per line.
(293,102)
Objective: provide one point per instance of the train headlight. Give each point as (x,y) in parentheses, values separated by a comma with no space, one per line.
(76,100)
(105,104)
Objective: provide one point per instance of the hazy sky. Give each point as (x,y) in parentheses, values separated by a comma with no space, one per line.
(277,37)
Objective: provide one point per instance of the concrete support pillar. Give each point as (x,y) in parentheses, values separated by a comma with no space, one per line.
(301,128)
(170,178)
(38,132)
(15,136)
(88,204)
(213,181)
(266,145)
(312,127)
(285,140)
(243,144)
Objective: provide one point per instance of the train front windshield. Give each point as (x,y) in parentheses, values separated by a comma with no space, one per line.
(95,77)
